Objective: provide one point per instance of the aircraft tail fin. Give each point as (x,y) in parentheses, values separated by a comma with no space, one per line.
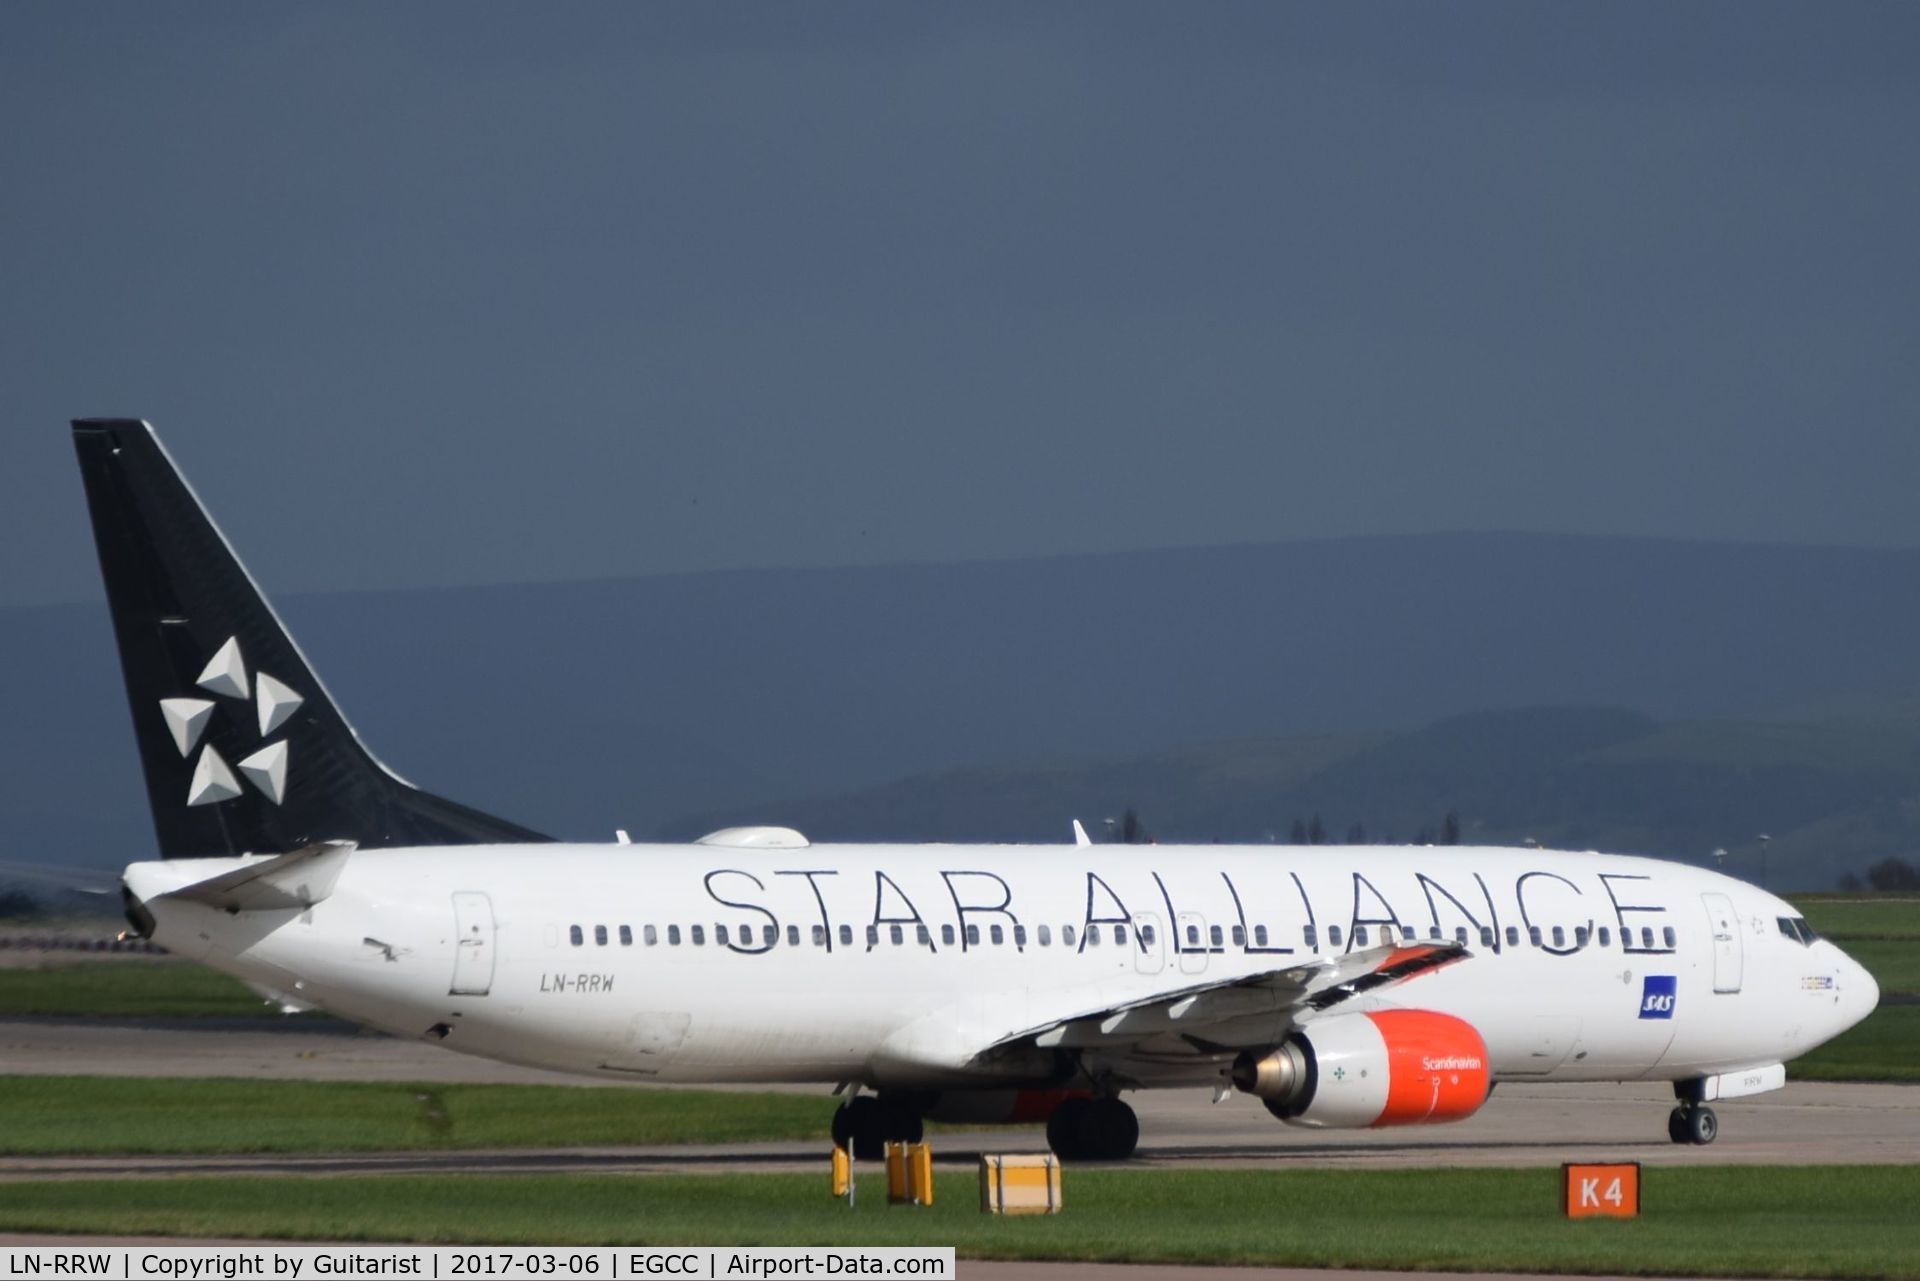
(243,749)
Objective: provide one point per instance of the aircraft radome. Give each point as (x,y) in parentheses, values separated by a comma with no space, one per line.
(1349,987)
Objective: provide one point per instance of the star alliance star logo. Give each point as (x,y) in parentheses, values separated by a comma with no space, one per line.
(225,676)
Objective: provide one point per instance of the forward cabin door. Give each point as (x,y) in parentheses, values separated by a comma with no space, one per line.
(1727,958)
(473,944)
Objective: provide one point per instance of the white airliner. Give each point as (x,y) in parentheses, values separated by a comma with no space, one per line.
(1344,987)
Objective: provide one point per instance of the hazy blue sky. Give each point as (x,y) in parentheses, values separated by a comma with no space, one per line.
(449,293)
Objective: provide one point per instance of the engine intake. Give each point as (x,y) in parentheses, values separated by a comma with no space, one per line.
(1356,1071)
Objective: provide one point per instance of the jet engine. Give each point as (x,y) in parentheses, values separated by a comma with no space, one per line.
(1387,1067)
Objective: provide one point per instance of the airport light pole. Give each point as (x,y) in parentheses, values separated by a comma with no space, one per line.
(1765,841)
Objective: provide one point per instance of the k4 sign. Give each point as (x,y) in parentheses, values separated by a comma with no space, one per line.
(1611,1191)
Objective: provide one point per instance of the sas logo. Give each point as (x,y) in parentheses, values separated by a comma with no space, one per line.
(1656,997)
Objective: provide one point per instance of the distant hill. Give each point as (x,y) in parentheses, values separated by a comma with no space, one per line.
(579,707)
(1833,796)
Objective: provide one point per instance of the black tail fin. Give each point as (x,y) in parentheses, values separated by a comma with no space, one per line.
(243,748)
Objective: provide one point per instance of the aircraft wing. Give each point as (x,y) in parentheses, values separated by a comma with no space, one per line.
(1218,1012)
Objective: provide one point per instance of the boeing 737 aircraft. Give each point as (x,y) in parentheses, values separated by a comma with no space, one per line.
(1347,987)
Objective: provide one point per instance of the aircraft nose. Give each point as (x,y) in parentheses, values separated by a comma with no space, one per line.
(1861,994)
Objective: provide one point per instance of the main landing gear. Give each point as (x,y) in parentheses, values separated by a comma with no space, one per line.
(870,1122)
(1692,1123)
(1097,1129)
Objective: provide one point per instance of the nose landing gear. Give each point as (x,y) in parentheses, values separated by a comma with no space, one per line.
(1693,1123)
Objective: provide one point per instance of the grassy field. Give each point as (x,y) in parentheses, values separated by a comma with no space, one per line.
(140,987)
(52,1114)
(1884,1048)
(1715,1221)
(1863,917)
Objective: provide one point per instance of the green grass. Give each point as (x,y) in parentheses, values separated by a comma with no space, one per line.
(66,1114)
(1894,964)
(1880,1049)
(1863,917)
(1850,1221)
(129,988)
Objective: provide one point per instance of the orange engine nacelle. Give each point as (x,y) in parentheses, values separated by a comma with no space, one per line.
(1389,1067)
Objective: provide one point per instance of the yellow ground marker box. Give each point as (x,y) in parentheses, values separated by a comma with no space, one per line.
(909,1174)
(1020,1184)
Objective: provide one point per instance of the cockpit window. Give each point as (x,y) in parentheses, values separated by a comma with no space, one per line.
(1796,928)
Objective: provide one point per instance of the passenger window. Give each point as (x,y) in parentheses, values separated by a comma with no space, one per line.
(768,935)
(600,936)
(720,935)
(650,935)
(699,936)
(897,934)
(1259,936)
(1671,937)
(1646,937)
(873,936)
(1308,935)
(626,936)
(1533,936)
(922,937)
(1045,935)
(673,935)
(1486,936)
(1559,937)
(946,935)
(1019,936)
(1606,937)
(1146,935)
(819,936)
(995,933)
(1193,936)
(1460,935)
(1239,936)
(574,936)
(1214,936)
(973,936)
(846,936)
(1513,936)
(793,936)
(1359,936)
(1579,936)
(1333,936)
(1120,934)
(1066,936)
(1093,936)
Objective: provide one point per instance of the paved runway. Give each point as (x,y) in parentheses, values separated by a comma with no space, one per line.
(1807,1123)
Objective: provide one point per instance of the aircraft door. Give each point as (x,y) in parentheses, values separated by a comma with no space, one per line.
(1191,942)
(1149,953)
(1728,961)
(473,944)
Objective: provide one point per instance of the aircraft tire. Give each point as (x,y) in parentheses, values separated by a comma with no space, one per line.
(1702,1126)
(1677,1126)
(1115,1129)
(1068,1130)
(859,1124)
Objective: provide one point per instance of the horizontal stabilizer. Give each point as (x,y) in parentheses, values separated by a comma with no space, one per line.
(284,882)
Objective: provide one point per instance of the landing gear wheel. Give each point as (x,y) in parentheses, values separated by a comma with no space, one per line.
(870,1123)
(1066,1129)
(858,1126)
(1693,1124)
(1116,1128)
(1093,1130)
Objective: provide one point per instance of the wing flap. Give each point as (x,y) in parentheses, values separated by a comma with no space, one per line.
(1203,1008)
